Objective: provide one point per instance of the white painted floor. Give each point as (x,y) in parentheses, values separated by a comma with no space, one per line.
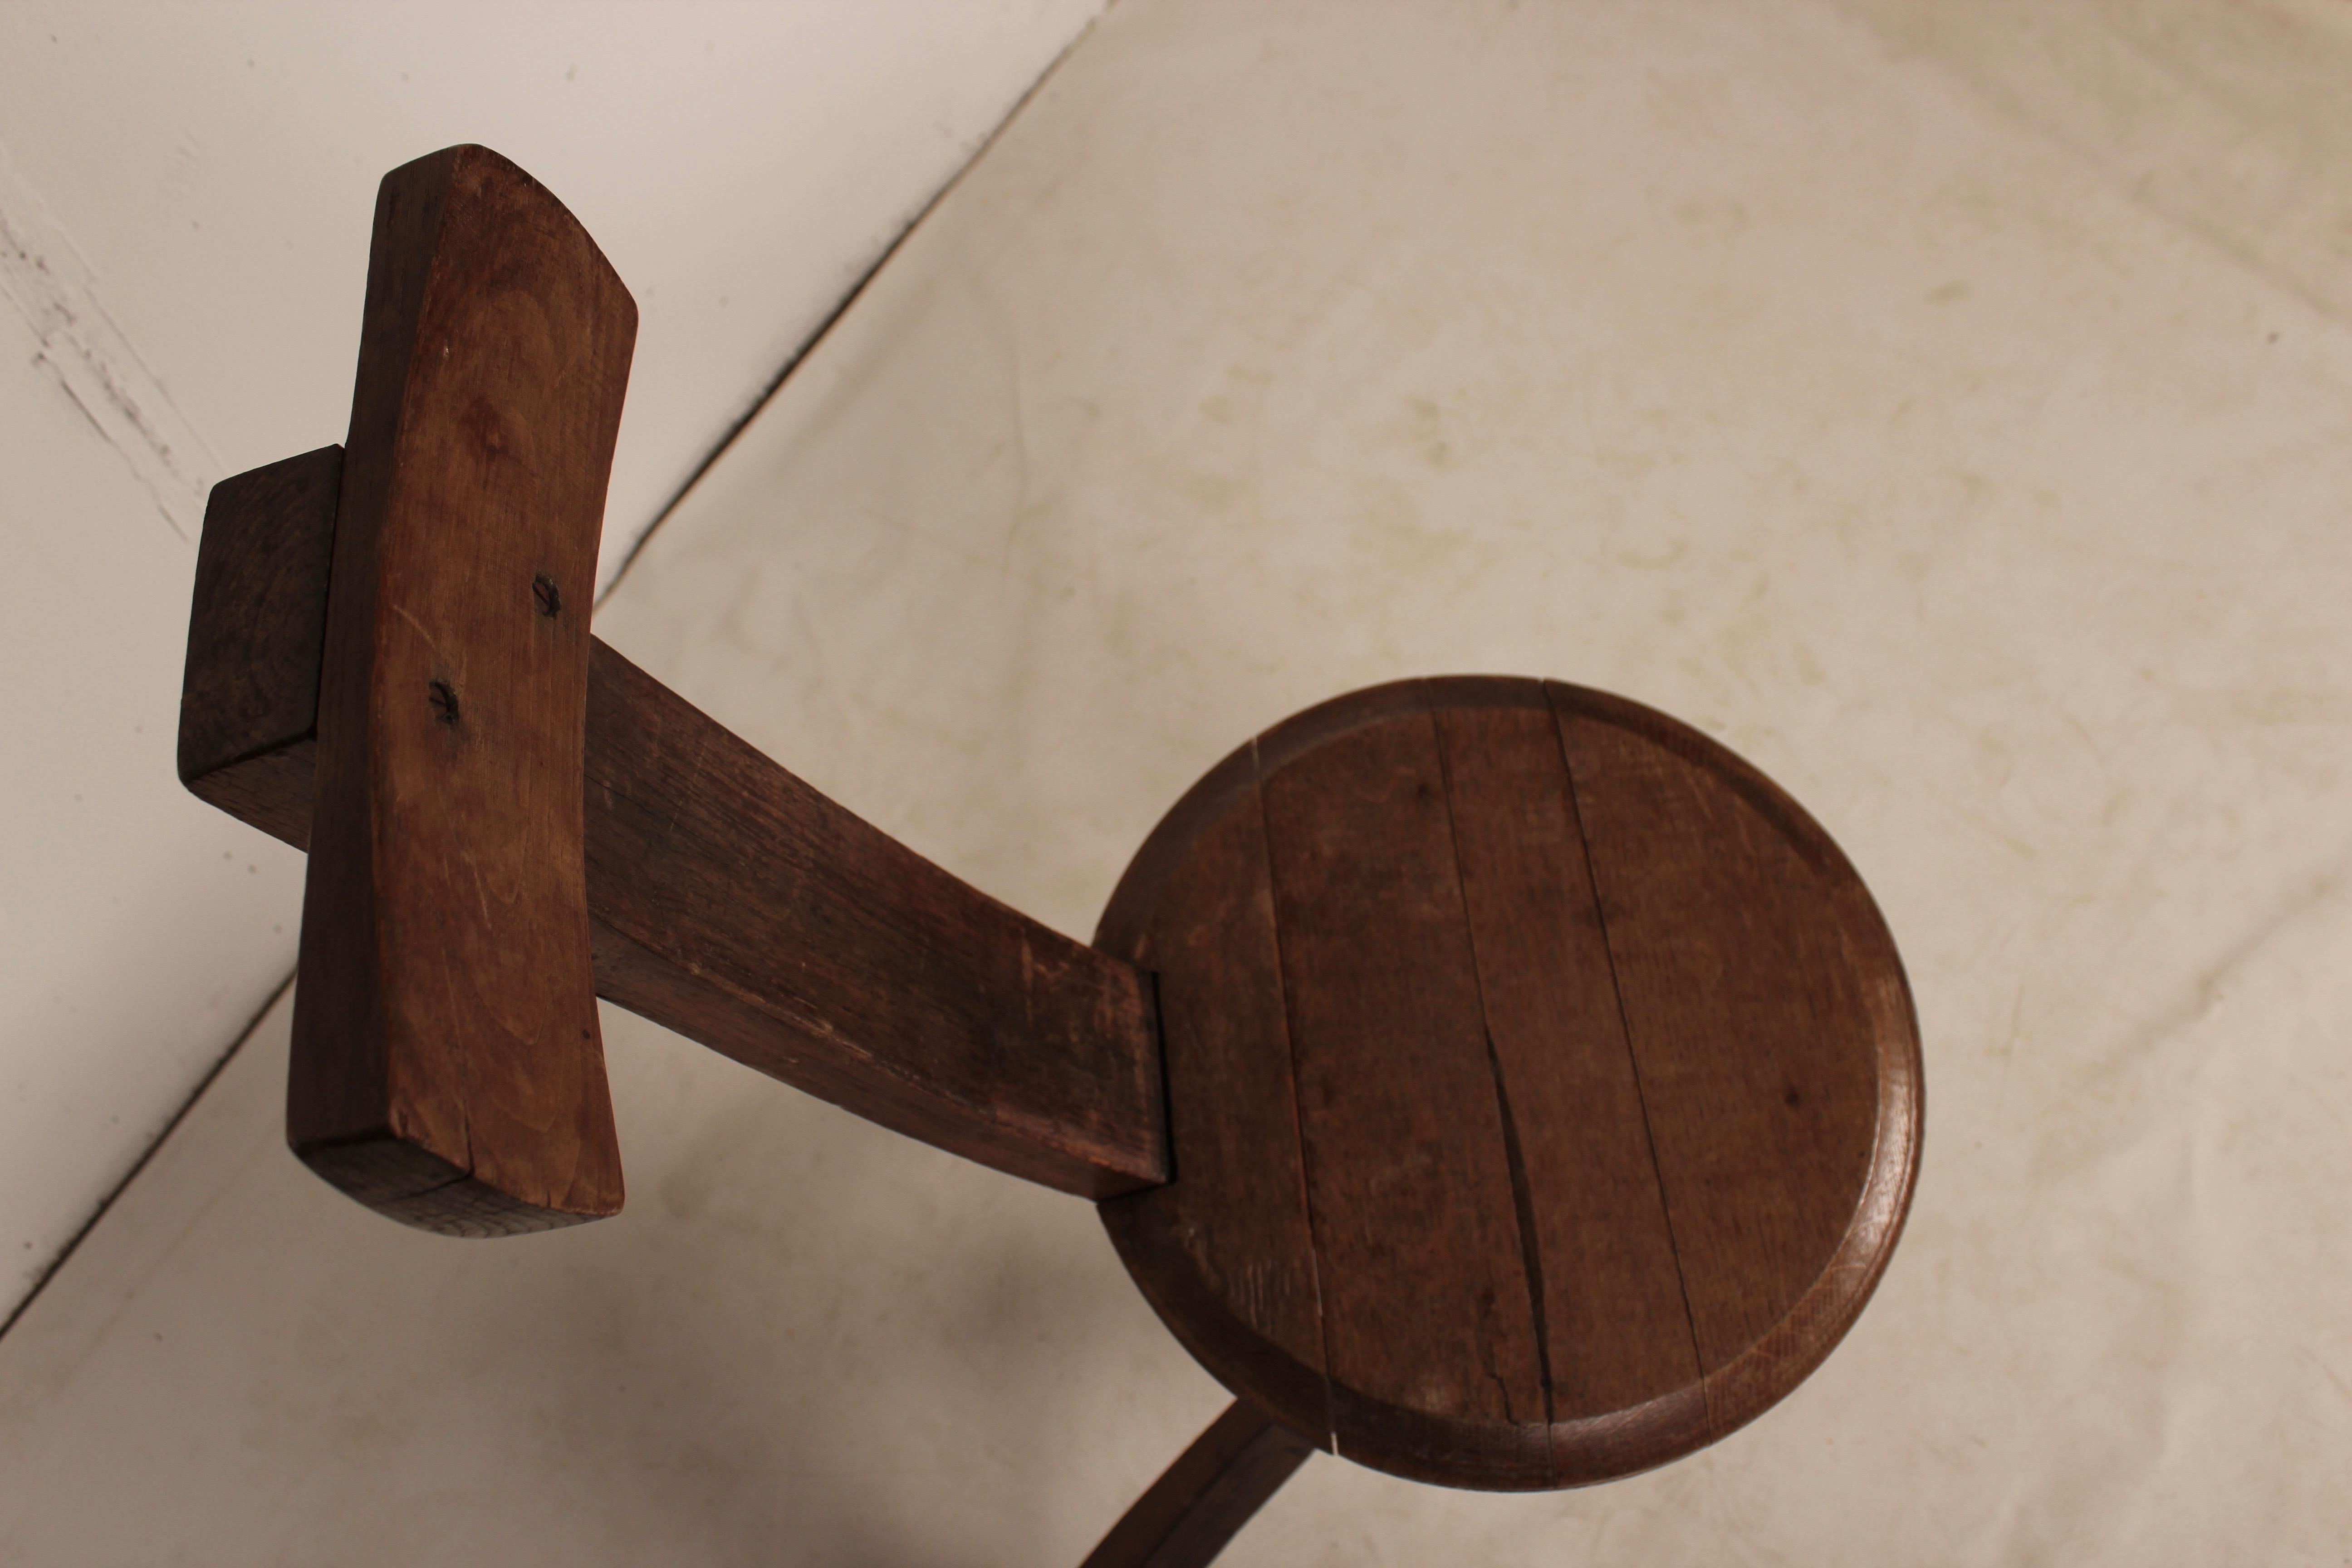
(1945,407)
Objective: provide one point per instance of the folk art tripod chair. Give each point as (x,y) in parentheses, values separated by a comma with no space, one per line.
(1489,1080)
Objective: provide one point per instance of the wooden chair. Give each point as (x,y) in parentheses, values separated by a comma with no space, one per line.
(1489,1080)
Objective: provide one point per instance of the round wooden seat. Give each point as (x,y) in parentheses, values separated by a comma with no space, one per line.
(1544,1088)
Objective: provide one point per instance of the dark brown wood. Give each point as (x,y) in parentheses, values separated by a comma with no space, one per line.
(249,699)
(1601,1258)
(1200,1502)
(732,903)
(1496,1237)
(1225,1254)
(447,1069)
(740,907)
(1542,1092)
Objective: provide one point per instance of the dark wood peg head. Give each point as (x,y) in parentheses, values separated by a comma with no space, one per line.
(447,1069)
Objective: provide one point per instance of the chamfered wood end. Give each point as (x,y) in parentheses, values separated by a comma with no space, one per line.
(1544,1088)
(417,1187)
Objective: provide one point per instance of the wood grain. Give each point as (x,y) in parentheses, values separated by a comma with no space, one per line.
(249,697)
(1230,1226)
(1200,1502)
(447,1069)
(1408,1175)
(734,904)
(1770,1025)
(1609,1293)
(1495,1233)
(1541,1095)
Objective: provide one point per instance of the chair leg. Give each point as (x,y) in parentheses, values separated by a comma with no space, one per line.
(1201,1501)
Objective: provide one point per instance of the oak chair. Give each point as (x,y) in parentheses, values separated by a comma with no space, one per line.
(1489,1081)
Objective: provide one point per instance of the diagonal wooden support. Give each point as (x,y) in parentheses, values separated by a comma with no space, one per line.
(389,664)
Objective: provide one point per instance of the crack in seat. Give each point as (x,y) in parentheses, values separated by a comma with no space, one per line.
(1543,1085)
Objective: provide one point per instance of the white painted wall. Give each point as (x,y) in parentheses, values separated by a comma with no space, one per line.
(185,191)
